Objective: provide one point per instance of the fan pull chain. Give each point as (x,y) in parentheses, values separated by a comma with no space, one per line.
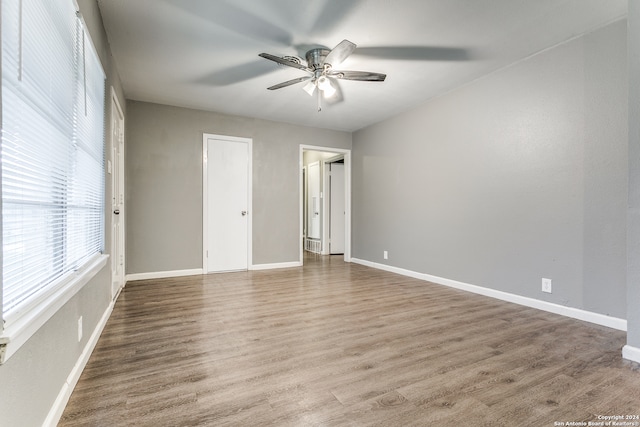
(319,100)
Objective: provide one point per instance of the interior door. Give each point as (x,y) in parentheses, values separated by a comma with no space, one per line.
(228,213)
(117,198)
(305,208)
(313,200)
(336,208)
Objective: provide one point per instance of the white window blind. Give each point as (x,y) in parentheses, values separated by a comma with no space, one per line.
(52,150)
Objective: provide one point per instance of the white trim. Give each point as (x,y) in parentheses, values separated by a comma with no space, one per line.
(53,417)
(205,196)
(575,313)
(274,266)
(347,195)
(631,353)
(19,330)
(163,274)
(205,202)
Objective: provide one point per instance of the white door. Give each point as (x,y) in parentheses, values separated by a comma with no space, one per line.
(336,208)
(305,205)
(227,204)
(117,197)
(313,200)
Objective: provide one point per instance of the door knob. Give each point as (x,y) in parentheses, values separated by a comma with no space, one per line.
(243,213)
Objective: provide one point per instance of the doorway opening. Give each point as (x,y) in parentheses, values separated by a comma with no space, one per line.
(325,202)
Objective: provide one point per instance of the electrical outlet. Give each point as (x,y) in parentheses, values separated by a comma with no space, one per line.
(79,328)
(546,285)
(385,255)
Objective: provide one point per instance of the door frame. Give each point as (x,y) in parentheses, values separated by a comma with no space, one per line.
(117,283)
(347,194)
(205,196)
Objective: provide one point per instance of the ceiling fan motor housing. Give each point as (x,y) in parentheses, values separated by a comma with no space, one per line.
(315,58)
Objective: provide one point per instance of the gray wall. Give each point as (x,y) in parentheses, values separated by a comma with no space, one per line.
(164,184)
(32,378)
(633,218)
(517,176)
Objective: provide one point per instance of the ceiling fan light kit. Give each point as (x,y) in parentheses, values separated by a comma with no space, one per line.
(325,86)
(320,63)
(310,87)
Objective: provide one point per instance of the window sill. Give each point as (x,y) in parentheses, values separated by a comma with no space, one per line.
(18,332)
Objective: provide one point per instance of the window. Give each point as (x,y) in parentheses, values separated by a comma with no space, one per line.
(52,151)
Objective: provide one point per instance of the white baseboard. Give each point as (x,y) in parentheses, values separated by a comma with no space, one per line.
(275,265)
(198,271)
(631,353)
(163,274)
(575,313)
(53,417)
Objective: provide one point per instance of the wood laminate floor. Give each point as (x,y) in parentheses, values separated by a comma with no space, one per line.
(335,344)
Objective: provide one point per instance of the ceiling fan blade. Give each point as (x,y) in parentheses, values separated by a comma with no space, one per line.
(339,53)
(416,53)
(289,83)
(358,75)
(284,61)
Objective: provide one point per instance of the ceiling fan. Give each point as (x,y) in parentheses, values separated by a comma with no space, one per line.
(321,74)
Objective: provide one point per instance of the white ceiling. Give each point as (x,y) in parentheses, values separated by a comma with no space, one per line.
(204,53)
